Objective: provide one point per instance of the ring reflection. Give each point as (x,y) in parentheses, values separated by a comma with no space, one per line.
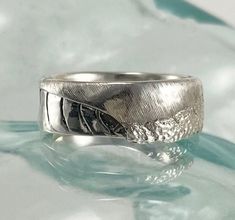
(114,162)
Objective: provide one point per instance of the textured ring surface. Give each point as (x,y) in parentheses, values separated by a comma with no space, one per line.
(141,107)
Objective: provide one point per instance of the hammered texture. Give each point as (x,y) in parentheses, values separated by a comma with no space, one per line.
(181,125)
(143,111)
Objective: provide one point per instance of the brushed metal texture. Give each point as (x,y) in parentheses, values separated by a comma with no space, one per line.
(142,107)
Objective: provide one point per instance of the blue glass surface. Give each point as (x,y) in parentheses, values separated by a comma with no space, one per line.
(191,179)
(185,9)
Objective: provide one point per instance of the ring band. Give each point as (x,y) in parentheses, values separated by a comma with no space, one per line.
(142,107)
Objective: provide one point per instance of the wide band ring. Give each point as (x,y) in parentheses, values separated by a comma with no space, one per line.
(142,107)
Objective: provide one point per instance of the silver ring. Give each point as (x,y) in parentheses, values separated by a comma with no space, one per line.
(142,107)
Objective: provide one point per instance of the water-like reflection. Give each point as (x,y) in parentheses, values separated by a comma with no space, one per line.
(113,162)
(153,178)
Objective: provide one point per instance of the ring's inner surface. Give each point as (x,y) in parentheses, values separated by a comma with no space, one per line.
(116,77)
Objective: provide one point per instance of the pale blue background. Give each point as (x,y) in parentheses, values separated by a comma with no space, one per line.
(44,37)
(38,38)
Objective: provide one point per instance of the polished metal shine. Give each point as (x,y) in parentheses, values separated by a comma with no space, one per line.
(142,107)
